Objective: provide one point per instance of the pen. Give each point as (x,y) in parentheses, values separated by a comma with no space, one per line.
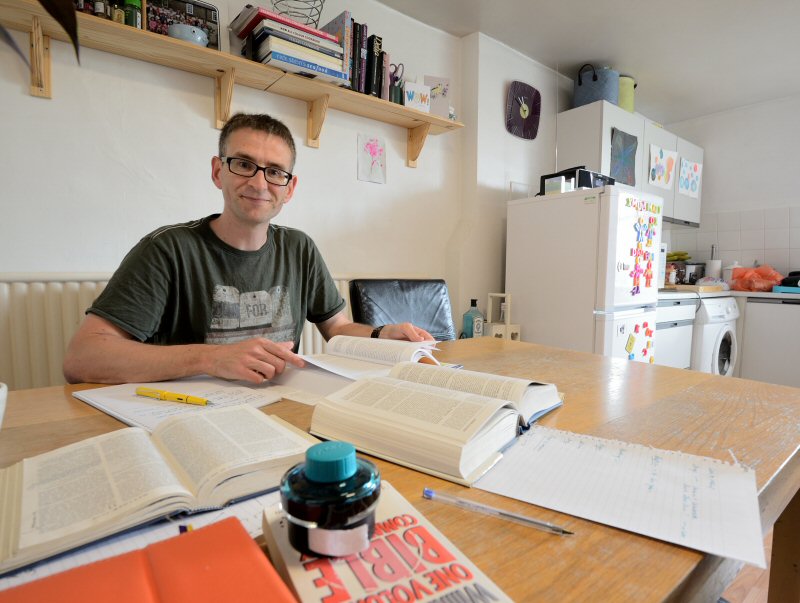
(160,394)
(493,511)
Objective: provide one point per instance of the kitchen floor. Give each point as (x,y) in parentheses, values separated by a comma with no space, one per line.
(751,585)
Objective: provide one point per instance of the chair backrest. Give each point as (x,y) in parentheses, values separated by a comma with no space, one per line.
(424,302)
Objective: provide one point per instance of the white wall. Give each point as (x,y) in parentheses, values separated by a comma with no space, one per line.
(125,146)
(751,209)
(493,159)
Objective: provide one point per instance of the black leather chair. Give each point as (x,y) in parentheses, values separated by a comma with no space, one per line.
(424,302)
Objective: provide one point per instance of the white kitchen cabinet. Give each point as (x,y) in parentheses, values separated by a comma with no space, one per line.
(656,135)
(584,137)
(770,347)
(687,209)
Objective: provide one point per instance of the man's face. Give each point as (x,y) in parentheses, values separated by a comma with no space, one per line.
(253,201)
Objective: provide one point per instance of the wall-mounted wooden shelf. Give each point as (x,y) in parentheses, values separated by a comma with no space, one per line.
(225,69)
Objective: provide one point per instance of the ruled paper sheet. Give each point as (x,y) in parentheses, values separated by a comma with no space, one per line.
(693,501)
(248,511)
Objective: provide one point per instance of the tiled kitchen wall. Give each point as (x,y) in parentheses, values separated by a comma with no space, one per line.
(767,236)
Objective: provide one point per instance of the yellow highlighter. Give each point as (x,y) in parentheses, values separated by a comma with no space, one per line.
(160,394)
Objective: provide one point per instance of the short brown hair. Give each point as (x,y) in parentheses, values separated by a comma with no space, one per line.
(257,121)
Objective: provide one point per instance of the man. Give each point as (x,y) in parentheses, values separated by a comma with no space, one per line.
(226,295)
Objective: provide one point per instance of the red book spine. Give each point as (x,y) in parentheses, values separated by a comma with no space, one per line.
(263,13)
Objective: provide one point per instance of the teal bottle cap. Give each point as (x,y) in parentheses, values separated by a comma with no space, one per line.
(330,462)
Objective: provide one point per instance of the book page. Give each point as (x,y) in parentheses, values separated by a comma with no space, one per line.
(363,357)
(530,398)
(693,501)
(485,384)
(206,447)
(451,414)
(428,428)
(121,401)
(69,490)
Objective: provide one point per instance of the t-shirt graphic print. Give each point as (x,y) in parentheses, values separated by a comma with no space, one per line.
(236,316)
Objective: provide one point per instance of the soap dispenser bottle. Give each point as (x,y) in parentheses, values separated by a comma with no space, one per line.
(473,321)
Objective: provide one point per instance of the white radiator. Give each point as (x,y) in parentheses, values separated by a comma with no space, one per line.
(39,313)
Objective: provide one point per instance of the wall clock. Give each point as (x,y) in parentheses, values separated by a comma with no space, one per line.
(523,106)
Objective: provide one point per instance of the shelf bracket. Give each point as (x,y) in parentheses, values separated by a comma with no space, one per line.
(317,109)
(223,93)
(40,61)
(416,140)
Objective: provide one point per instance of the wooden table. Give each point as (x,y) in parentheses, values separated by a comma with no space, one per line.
(611,398)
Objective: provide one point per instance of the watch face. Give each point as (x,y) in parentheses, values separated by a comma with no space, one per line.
(523,106)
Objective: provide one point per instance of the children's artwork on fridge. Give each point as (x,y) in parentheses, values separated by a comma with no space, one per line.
(440,95)
(662,167)
(690,177)
(644,222)
(623,157)
(371,159)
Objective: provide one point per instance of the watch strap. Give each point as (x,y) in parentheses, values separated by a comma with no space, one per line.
(376,332)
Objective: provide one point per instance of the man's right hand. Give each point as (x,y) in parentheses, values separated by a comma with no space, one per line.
(254,360)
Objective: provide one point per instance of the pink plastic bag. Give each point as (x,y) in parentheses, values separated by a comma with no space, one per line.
(762,278)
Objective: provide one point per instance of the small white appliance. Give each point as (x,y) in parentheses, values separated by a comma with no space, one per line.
(582,268)
(714,345)
(674,328)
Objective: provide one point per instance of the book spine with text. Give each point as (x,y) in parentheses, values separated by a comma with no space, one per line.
(356,54)
(263,13)
(297,65)
(277,45)
(373,79)
(362,61)
(268,26)
(342,28)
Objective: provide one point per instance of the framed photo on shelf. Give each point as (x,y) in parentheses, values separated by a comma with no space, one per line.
(163,13)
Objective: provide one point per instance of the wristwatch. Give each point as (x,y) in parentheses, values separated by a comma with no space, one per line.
(376,332)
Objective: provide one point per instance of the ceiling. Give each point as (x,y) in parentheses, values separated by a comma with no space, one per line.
(689,58)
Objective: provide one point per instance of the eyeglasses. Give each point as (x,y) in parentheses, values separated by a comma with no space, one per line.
(245,167)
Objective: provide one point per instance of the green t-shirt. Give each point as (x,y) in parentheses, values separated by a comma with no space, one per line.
(181,284)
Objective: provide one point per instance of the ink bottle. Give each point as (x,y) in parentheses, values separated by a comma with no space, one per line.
(330,501)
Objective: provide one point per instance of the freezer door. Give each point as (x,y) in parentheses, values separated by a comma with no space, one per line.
(627,334)
(631,250)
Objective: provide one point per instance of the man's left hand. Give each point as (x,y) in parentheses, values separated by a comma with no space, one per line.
(405,330)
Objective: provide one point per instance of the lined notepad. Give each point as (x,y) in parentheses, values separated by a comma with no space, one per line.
(697,502)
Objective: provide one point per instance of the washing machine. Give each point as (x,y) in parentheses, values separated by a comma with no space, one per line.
(714,346)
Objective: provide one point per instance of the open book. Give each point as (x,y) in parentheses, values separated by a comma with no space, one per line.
(407,557)
(447,422)
(360,357)
(74,495)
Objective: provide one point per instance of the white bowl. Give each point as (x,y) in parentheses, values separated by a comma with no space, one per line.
(188,33)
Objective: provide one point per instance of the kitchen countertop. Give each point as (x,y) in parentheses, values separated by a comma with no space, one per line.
(669,294)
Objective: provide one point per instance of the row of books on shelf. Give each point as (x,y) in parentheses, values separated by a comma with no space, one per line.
(341,52)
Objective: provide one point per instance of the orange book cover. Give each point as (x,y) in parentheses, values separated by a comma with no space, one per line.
(220,562)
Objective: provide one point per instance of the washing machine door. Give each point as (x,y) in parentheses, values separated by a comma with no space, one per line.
(723,360)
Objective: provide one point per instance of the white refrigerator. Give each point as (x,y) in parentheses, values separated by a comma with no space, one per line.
(582,270)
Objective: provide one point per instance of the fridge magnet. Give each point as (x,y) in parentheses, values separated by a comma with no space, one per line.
(440,95)
(623,157)
(371,159)
(662,167)
(689,179)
